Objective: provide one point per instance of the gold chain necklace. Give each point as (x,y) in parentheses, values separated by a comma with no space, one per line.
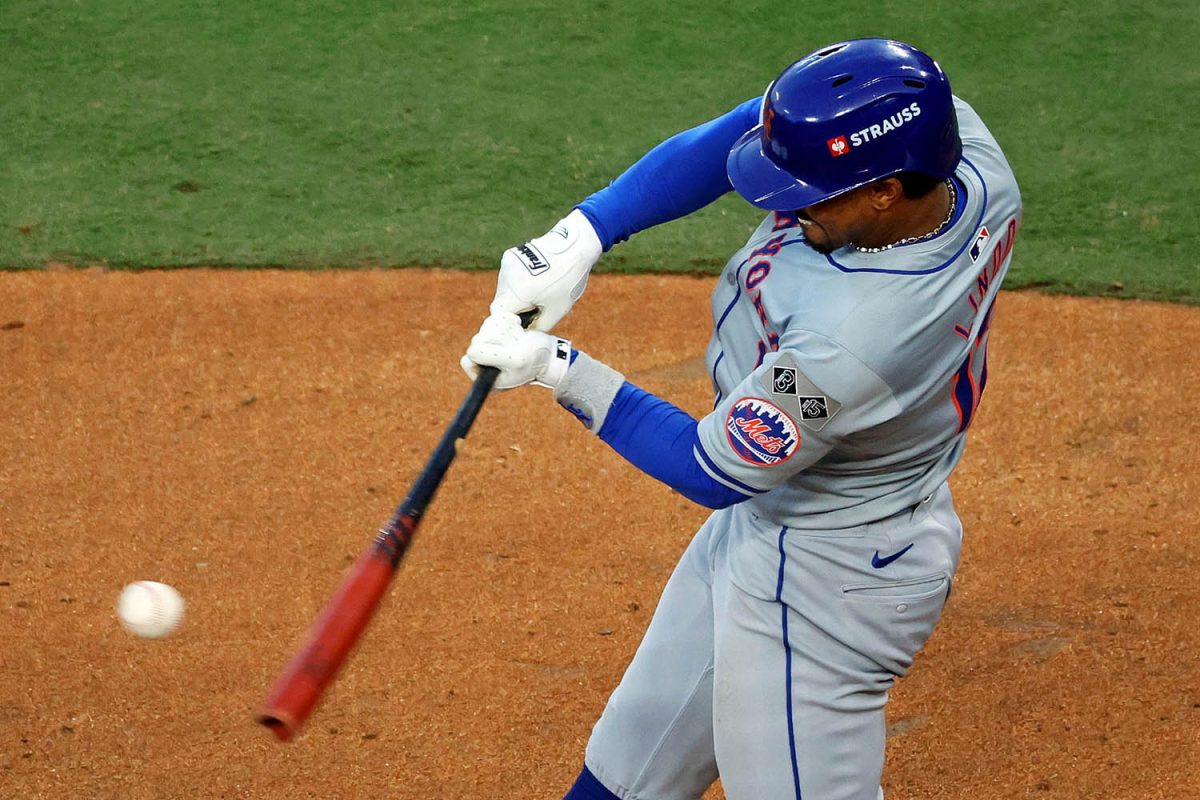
(941,226)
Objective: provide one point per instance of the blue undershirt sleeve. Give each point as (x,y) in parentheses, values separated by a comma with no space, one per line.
(661,440)
(678,176)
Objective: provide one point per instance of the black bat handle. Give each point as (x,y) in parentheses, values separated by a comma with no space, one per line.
(404,520)
(431,476)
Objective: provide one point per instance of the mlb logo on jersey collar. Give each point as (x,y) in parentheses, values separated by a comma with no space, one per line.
(981,240)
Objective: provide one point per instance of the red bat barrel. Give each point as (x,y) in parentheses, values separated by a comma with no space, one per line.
(333,635)
(345,617)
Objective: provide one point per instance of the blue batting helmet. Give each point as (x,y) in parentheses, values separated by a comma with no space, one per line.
(843,116)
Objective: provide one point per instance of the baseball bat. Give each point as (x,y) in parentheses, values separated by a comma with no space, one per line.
(346,615)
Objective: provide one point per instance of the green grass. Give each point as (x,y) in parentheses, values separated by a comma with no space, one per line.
(186,132)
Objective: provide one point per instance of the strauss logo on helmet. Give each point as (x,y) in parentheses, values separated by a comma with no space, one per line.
(840,145)
(886,126)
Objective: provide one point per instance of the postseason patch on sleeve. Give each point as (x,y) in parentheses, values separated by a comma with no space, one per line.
(760,432)
(797,395)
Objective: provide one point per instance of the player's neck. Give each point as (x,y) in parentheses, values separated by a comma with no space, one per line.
(913,219)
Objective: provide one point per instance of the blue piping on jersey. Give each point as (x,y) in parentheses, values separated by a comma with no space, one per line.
(721,474)
(966,243)
(737,279)
(717,399)
(787,659)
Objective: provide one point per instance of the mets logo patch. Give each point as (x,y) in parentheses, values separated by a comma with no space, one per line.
(760,432)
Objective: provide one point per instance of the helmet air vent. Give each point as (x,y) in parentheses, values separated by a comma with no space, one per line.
(842,79)
(914,83)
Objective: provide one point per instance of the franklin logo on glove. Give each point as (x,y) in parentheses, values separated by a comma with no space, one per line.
(532,259)
(549,273)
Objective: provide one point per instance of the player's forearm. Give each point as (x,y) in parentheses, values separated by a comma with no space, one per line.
(681,175)
(650,433)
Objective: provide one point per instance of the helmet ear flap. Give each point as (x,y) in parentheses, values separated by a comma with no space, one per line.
(765,104)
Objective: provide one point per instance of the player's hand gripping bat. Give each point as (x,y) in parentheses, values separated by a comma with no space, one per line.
(341,623)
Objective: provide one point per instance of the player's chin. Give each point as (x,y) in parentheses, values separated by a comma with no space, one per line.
(817,235)
(820,244)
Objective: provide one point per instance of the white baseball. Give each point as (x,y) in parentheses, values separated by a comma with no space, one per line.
(150,609)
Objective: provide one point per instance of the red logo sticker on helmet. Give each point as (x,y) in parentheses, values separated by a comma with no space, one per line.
(838,146)
(760,432)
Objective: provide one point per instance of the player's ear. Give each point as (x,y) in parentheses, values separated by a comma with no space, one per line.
(885,193)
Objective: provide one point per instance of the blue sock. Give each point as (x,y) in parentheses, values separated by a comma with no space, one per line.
(588,788)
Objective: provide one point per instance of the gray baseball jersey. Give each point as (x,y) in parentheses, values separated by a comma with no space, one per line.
(845,382)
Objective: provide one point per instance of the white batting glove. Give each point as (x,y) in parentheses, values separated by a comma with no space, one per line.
(522,356)
(549,273)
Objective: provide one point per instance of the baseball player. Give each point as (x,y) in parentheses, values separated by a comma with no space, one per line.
(848,357)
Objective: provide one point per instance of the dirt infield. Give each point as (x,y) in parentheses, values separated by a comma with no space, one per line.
(240,435)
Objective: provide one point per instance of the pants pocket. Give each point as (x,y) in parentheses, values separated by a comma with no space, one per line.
(889,622)
(912,589)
